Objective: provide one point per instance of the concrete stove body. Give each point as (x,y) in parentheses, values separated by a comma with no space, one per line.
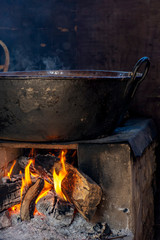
(123,165)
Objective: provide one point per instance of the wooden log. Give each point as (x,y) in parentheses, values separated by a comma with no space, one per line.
(10,193)
(80,190)
(28,202)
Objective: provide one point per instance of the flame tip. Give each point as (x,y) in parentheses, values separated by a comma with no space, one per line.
(58,178)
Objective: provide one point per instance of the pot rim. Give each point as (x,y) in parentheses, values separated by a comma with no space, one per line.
(67,74)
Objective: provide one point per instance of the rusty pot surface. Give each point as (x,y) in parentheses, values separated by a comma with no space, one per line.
(64,105)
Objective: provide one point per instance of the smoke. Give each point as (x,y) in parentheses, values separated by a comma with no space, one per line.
(21,60)
(40,35)
(52,63)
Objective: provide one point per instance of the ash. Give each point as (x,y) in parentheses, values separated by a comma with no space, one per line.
(48,229)
(52,225)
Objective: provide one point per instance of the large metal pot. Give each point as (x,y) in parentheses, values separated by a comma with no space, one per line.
(65,105)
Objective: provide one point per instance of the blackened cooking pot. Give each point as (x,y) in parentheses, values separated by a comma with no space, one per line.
(65,105)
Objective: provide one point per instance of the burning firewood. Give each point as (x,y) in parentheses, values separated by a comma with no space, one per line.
(66,180)
(28,202)
(39,170)
(80,190)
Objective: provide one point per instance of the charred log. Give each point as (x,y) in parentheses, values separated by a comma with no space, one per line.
(10,193)
(28,202)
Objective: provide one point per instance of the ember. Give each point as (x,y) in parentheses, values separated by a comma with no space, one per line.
(14,209)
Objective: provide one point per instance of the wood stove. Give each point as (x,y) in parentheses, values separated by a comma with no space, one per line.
(123,165)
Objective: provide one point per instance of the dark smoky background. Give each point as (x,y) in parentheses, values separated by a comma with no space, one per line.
(39,34)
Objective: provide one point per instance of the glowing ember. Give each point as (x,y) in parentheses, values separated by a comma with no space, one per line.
(14,209)
(58,178)
(11,169)
(36,212)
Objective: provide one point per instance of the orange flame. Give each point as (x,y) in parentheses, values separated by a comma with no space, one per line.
(35,175)
(58,178)
(47,187)
(32,152)
(27,180)
(11,169)
(27,173)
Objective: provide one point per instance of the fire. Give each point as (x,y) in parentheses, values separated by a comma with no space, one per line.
(47,187)
(26,181)
(58,178)
(14,209)
(36,212)
(11,169)
(32,153)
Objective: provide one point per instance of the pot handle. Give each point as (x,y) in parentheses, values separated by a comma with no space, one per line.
(134,82)
(6,52)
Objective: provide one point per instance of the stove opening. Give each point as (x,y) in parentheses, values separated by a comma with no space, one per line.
(93,189)
(47,184)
